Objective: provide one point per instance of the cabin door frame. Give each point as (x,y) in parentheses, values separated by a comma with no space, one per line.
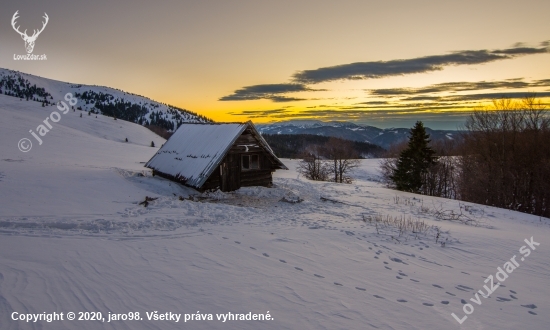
(231,173)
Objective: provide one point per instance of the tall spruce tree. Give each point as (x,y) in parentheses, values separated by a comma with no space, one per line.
(415,161)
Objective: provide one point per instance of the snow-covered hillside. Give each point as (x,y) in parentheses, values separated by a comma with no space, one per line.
(311,255)
(100,99)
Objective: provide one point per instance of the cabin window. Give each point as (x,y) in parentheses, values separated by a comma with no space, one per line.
(250,162)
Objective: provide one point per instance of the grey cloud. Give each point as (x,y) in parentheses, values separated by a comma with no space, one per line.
(266,91)
(259,113)
(374,102)
(276,98)
(379,69)
(522,51)
(492,96)
(460,86)
(422,98)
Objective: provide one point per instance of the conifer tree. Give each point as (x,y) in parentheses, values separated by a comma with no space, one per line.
(414,162)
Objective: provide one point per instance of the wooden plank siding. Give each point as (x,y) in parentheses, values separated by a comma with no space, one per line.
(240,177)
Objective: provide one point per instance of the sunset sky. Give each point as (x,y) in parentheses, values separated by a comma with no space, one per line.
(382,63)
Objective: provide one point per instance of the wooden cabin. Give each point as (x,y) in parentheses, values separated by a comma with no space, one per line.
(223,156)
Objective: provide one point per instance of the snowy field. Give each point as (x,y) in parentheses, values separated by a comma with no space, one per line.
(311,255)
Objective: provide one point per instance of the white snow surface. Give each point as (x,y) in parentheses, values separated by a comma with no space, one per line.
(74,238)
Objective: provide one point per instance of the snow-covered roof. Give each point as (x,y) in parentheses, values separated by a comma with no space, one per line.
(195,150)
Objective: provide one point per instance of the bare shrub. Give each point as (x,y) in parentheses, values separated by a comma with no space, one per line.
(312,167)
(442,178)
(342,158)
(400,227)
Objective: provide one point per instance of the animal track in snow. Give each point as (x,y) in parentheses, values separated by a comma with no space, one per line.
(298,268)
(362,289)
(463,288)
(281,260)
(379,297)
(398,260)
(531,306)
(445,302)
(427,304)
(437,286)
(265,255)
(319,276)
(401,300)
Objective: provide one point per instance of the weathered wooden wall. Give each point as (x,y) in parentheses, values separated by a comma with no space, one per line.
(236,177)
(239,177)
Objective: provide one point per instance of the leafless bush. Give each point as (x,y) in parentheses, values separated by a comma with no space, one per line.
(342,159)
(387,168)
(442,178)
(402,223)
(333,161)
(462,216)
(312,167)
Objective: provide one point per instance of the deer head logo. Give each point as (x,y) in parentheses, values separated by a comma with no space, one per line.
(29,41)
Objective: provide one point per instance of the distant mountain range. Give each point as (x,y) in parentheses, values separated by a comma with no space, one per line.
(350,131)
(96,99)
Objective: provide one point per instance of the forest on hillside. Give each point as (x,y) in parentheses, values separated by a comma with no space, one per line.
(295,145)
